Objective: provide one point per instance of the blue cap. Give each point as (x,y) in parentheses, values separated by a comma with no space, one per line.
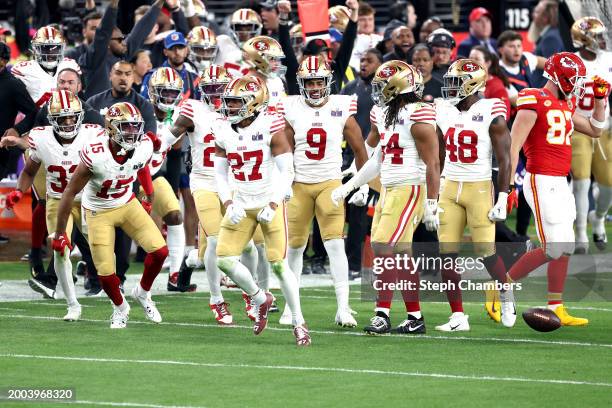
(174,38)
(335,34)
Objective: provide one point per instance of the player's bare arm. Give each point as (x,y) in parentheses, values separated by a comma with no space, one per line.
(352,135)
(524,121)
(441,149)
(11,140)
(373,138)
(182,125)
(26,178)
(426,141)
(500,139)
(78,181)
(290,135)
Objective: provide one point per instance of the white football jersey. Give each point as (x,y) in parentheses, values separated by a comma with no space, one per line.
(110,186)
(230,56)
(601,66)
(250,158)
(276,90)
(202,140)
(401,163)
(60,160)
(318,136)
(466,137)
(37,80)
(167,140)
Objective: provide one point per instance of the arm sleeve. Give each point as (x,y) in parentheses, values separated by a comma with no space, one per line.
(346,48)
(144,178)
(221,169)
(290,60)
(284,163)
(424,114)
(499,109)
(96,53)
(180,22)
(141,30)
(368,171)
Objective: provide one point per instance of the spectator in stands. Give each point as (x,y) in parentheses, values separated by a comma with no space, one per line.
(366,33)
(480,32)
(142,64)
(497,82)
(544,31)
(386,45)
(90,23)
(516,64)
(422,60)
(403,12)
(441,44)
(403,40)
(269,18)
(431,24)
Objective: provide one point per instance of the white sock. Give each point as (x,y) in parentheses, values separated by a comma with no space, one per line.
(193,259)
(290,289)
(249,258)
(176,246)
(263,267)
(240,274)
(124,306)
(188,248)
(602,205)
(581,196)
(140,292)
(338,266)
(295,258)
(213,274)
(416,314)
(63,270)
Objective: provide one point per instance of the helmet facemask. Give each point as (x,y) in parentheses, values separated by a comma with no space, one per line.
(211,94)
(48,55)
(166,98)
(453,90)
(235,114)
(66,125)
(202,56)
(377,95)
(127,134)
(242,32)
(315,96)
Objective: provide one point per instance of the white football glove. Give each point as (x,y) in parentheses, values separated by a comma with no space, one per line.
(340,193)
(266,215)
(288,194)
(360,198)
(235,213)
(431,218)
(498,212)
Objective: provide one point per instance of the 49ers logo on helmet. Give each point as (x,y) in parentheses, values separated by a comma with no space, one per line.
(114,111)
(469,67)
(252,86)
(261,46)
(387,72)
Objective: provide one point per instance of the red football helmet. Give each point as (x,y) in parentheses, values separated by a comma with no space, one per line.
(568,72)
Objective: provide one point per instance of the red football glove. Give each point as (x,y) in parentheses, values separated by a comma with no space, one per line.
(512,201)
(13,198)
(601,88)
(60,243)
(157,144)
(147,206)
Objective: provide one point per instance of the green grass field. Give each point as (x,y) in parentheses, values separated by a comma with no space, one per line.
(189,361)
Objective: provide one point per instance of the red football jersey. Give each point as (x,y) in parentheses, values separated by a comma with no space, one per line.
(548,146)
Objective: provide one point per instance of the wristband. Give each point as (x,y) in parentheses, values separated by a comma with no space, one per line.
(596,123)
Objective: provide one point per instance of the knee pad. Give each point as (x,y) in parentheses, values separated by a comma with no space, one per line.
(226,263)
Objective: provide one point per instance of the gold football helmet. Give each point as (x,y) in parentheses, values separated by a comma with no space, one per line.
(264,54)
(48,47)
(202,43)
(244,97)
(65,113)
(245,23)
(463,78)
(394,78)
(124,125)
(589,32)
(314,71)
(297,39)
(339,17)
(212,83)
(165,88)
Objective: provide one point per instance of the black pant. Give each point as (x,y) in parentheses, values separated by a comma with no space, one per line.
(317,244)
(357,218)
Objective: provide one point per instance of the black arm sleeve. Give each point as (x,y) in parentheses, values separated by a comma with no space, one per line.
(141,30)
(290,60)
(344,53)
(25,105)
(173,168)
(27,123)
(180,22)
(97,51)
(148,114)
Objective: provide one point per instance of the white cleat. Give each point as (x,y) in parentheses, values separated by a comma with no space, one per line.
(457,322)
(148,305)
(508,308)
(345,318)
(74,313)
(286,318)
(118,318)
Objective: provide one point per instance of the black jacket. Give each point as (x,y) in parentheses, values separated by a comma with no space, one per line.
(104,100)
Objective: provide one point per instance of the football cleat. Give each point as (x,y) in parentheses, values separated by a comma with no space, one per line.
(599,230)
(248,307)
(36,266)
(302,337)
(286,318)
(81,268)
(274,308)
(174,286)
(95,291)
(148,305)
(492,305)
(118,318)
(411,325)
(344,318)
(567,319)
(379,324)
(222,313)
(457,322)
(74,313)
(261,320)
(42,287)
(508,308)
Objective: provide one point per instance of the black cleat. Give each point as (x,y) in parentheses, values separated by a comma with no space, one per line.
(273,308)
(43,287)
(354,275)
(184,277)
(81,269)
(94,291)
(379,324)
(411,325)
(318,268)
(601,241)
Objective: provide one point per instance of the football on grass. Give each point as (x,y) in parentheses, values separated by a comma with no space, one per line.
(541,319)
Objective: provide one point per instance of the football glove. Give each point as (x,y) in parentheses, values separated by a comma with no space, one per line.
(431,219)
(601,88)
(266,215)
(60,243)
(13,198)
(513,200)
(235,213)
(157,144)
(289,194)
(340,193)
(498,212)
(360,198)
(146,204)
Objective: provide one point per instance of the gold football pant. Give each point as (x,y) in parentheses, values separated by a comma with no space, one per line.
(164,199)
(592,156)
(73,219)
(397,214)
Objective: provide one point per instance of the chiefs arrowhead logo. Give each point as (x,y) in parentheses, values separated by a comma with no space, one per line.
(387,72)
(261,46)
(469,67)
(568,63)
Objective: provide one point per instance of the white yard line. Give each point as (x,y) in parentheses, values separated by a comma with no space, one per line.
(339,333)
(306,368)
(106,403)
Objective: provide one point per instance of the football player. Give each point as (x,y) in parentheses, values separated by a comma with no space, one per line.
(203,47)
(592,155)
(56,148)
(251,142)
(317,123)
(543,127)
(406,156)
(165,93)
(244,24)
(106,171)
(472,128)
